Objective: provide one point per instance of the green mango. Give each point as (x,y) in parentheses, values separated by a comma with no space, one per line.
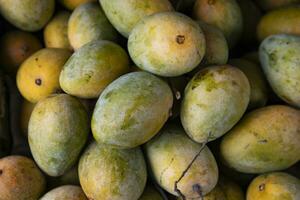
(28,15)
(214,101)
(265,140)
(167,44)
(278,56)
(125,14)
(131,110)
(171,152)
(106,173)
(58,129)
(66,192)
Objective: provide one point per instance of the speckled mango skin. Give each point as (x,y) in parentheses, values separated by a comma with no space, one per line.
(214,101)
(167,44)
(258,83)
(150,193)
(265,140)
(274,4)
(274,186)
(66,192)
(125,14)
(224,14)
(279,55)
(72,4)
(217,51)
(169,154)
(87,23)
(38,76)
(92,67)
(106,173)
(131,110)
(28,15)
(56,148)
(56,31)
(279,21)
(20,179)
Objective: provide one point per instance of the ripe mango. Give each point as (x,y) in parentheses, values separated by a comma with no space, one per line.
(72,4)
(106,173)
(20,179)
(214,101)
(131,110)
(167,44)
(58,129)
(265,140)
(92,67)
(27,15)
(171,152)
(66,192)
(87,23)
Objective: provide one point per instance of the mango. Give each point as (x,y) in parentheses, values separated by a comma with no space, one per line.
(131,110)
(58,129)
(125,14)
(150,193)
(106,173)
(258,83)
(275,4)
(66,192)
(17,46)
(278,56)
(20,179)
(92,67)
(265,140)
(274,186)
(215,194)
(87,23)
(279,21)
(27,15)
(72,4)
(38,76)
(26,110)
(224,14)
(214,101)
(56,31)
(171,157)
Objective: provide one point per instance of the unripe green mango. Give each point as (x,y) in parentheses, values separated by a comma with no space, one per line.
(274,186)
(125,14)
(279,56)
(265,140)
(171,152)
(167,44)
(214,101)
(92,67)
(87,23)
(106,173)
(28,15)
(20,179)
(58,130)
(66,192)
(131,110)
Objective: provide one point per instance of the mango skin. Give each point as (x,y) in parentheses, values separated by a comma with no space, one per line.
(125,14)
(56,31)
(20,179)
(224,14)
(278,55)
(66,192)
(283,20)
(57,132)
(214,101)
(167,44)
(274,186)
(274,4)
(38,76)
(27,15)
(131,110)
(264,140)
(87,23)
(150,193)
(106,173)
(17,46)
(72,4)
(168,155)
(258,83)
(92,67)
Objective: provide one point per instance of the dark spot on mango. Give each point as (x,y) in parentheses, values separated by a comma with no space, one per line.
(211,2)
(1,172)
(180,39)
(263,141)
(38,81)
(261,187)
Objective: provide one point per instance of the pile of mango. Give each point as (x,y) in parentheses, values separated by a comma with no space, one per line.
(150,100)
